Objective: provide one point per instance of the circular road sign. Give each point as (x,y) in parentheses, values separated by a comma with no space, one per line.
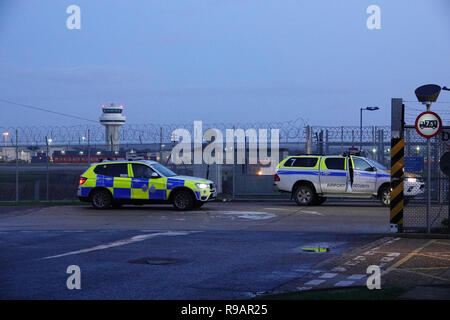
(428,124)
(444,163)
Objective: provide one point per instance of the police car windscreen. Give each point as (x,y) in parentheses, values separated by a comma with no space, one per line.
(163,170)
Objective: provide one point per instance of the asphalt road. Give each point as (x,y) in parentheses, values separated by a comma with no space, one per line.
(222,251)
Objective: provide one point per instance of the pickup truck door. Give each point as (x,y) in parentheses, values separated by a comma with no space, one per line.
(333,174)
(364,177)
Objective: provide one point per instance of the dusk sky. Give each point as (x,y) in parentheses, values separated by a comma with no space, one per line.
(219,60)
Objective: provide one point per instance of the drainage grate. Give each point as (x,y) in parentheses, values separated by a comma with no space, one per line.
(155,261)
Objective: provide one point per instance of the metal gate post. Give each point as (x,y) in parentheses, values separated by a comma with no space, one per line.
(397,165)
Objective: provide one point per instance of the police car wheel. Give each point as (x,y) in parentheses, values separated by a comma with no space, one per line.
(101,199)
(183,200)
(385,196)
(304,195)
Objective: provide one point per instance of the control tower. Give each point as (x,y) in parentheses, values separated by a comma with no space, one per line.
(112,119)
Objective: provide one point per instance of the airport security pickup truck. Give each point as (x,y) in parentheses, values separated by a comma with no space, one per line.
(312,179)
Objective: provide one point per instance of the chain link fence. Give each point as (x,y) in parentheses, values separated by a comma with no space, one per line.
(50,160)
(416,162)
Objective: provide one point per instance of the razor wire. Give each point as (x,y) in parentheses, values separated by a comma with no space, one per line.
(289,131)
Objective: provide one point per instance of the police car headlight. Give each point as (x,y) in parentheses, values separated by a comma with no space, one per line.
(412,180)
(201,185)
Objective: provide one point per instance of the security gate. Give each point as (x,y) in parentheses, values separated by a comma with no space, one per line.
(409,163)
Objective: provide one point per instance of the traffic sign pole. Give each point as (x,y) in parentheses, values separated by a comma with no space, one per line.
(429,178)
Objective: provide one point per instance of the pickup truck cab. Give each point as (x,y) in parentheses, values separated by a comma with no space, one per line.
(312,179)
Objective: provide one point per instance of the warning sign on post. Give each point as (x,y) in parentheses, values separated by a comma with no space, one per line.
(428,124)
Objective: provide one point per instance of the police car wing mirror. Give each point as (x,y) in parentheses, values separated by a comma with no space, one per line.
(154,175)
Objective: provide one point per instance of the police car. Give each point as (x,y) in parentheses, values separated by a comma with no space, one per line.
(114,183)
(312,179)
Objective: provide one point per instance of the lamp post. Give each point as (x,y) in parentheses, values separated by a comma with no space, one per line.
(5,135)
(360,123)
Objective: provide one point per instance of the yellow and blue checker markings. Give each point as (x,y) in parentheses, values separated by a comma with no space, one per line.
(139,188)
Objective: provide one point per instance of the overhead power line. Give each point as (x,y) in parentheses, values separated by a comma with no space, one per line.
(46,110)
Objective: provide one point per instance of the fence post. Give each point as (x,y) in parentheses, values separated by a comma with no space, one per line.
(17,166)
(47,173)
(89,146)
(308,139)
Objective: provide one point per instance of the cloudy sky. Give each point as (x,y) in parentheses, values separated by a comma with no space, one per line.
(219,60)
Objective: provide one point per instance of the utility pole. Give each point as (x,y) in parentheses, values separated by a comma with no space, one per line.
(47,161)
(17,166)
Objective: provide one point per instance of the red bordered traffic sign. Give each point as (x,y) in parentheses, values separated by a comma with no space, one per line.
(428,124)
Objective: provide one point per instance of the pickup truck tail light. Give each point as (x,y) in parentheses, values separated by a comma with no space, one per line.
(276,177)
(82,180)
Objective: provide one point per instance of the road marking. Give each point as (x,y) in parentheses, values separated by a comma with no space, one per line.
(356,277)
(446,243)
(311,212)
(432,256)
(281,209)
(251,215)
(387,259)
(328,275)
(369,253)
(339,269)
(359,258)
(303,288)
(314,282)
(352,263)
(118,243)
(393,254)
(344,283)
(424,274)
(409,256)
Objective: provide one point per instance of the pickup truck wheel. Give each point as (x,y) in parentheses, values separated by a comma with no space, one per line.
(183,200)
(101,199)
(304,195)
(385,196)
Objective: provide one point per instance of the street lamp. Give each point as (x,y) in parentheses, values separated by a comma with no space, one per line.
(5,135)
(360,123)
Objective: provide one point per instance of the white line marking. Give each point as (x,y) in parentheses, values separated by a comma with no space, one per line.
(359,258)
(356,277)
(351,263)
(339,269)
(369,253)
(393,254)
(328,275)
(314,282)
(312,212)
(303,288)
(387,259)
(344,283)
(251,215)
(118,243)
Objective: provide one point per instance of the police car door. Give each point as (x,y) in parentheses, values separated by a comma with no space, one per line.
(364,177)
(333,174)
(145,186)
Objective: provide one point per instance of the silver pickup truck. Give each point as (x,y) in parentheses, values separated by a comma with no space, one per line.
(312,179)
